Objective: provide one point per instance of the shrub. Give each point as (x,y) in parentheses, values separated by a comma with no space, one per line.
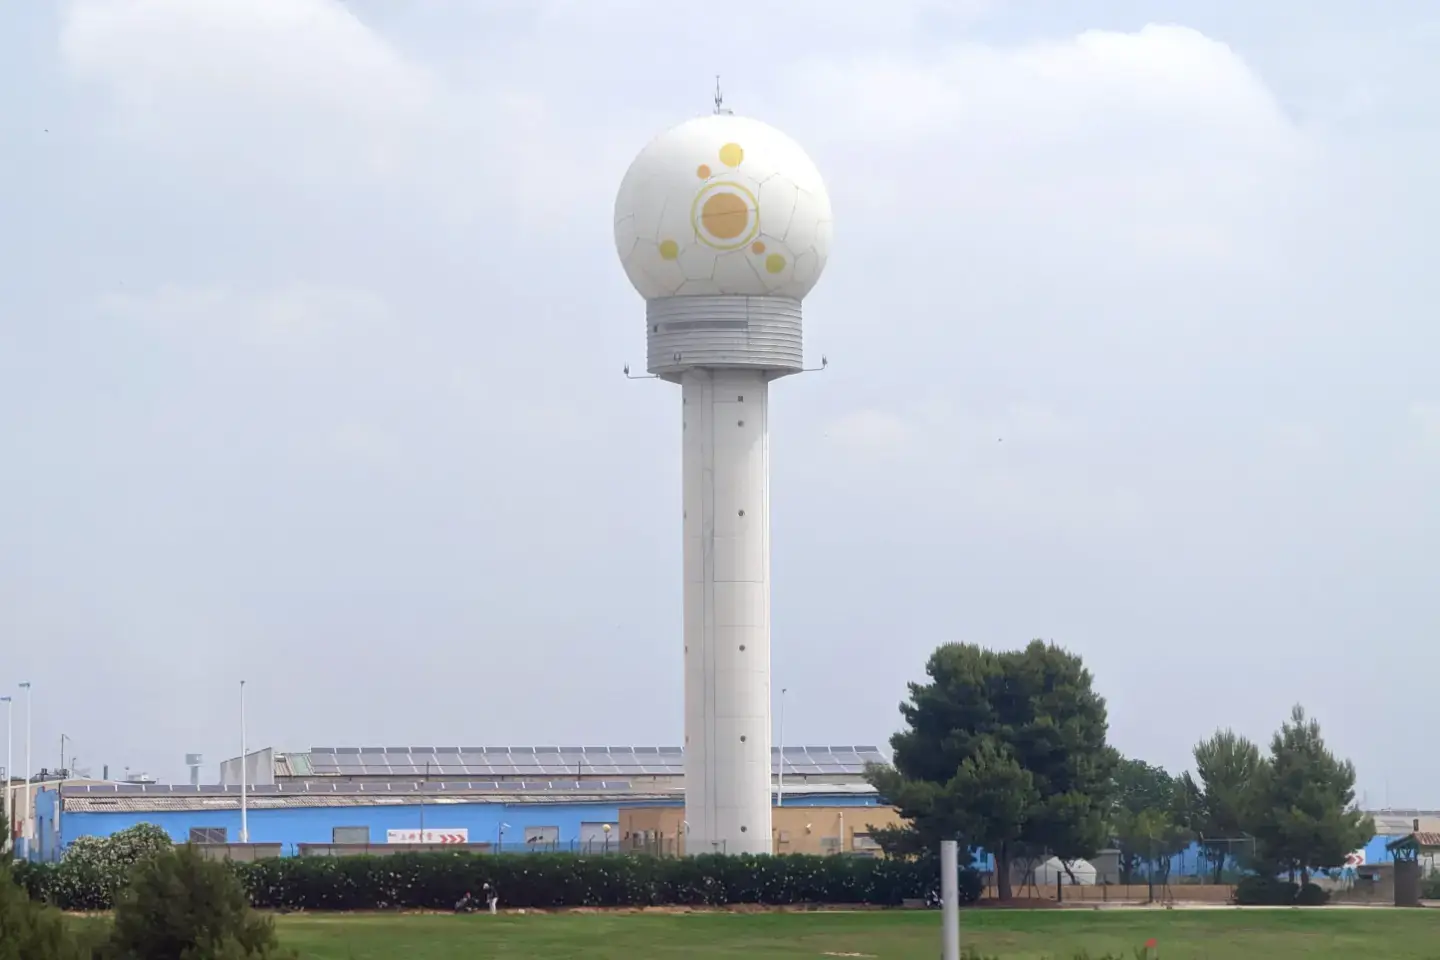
(1311,896)
(180,906)
(29,930)
(1430,886)
(95,869)
(437,880)
(1265,892)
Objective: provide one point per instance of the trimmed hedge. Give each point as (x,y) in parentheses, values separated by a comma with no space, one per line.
(438,880)
(1273,892)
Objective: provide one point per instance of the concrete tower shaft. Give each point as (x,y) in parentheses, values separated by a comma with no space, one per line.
(725,414)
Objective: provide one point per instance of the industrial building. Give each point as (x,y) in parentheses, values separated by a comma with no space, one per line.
(487,798)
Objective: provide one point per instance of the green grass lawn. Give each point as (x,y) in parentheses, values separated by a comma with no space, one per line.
(1009,934)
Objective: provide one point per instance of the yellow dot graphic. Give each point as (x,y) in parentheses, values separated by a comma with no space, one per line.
(725,216)
(669,249)
(758,247)
(774,263)
(703,171)
(731,154)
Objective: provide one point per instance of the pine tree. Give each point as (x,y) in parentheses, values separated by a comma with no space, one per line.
(1305,813)
(30,930)
(181,906)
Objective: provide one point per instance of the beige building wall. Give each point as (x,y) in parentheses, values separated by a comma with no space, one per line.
(808,830)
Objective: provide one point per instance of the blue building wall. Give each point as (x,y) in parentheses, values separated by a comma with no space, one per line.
(289,826)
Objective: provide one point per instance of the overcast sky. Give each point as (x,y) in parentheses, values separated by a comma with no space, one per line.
(313,330)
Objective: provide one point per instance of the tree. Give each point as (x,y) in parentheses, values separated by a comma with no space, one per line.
(1305,815)
(1003,751)
(1218,801)
(1148,820)
(181,906)
(30,930)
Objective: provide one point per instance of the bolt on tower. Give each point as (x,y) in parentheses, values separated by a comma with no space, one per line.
(723,225)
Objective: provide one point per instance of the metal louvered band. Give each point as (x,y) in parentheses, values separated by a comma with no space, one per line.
(749,332)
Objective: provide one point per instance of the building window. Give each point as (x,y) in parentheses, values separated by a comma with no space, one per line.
(350,835)
(208,835)
(864,843)
(543,837)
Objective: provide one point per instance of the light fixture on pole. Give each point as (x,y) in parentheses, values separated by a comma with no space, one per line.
(25,819)
(9,770)
(244,775)
(780,786)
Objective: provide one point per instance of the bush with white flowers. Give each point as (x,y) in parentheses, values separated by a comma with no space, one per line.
(95,869)
(437,880)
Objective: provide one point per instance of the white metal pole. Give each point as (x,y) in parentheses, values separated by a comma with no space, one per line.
(244,774)
(29,798)
(780,785)
(950,900)
(9,772)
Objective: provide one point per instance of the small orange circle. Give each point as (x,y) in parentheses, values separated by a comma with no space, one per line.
(725,216)
(703,172)
(757,247)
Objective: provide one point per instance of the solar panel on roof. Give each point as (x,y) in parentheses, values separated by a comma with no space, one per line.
(643,750)
(677,750)
(547,749)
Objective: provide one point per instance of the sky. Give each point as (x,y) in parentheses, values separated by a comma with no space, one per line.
(312,329)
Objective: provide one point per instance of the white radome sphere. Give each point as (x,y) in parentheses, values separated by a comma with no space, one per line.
(722,205)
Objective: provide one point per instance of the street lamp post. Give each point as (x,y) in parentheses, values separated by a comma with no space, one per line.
(780,787)
(29,799)
(244,775)
(9,771)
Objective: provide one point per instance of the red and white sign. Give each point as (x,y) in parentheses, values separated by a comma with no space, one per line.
(437,835)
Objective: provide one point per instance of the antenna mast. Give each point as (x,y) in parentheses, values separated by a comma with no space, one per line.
(720,107)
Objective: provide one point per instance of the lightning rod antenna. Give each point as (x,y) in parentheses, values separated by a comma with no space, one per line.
(720,98)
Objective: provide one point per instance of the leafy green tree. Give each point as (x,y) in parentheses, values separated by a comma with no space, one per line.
(181,906)
(30,930)
(1149,817)
(1218,801)
(1003,751)
(1304,813)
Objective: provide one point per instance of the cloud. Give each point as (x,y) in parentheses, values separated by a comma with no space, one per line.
(363,443)
(870,433)
(295,318)
(1101,153)
(1425,421)
(299,86)
(304,93)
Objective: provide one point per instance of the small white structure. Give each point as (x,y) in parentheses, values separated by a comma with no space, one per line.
(723,225)
(1081,873)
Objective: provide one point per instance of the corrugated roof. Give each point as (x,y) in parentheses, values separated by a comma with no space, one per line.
(156,804)
(100,800)
(516,763)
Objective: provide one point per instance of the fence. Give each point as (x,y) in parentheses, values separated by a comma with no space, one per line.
(258,851)
(1119,893)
